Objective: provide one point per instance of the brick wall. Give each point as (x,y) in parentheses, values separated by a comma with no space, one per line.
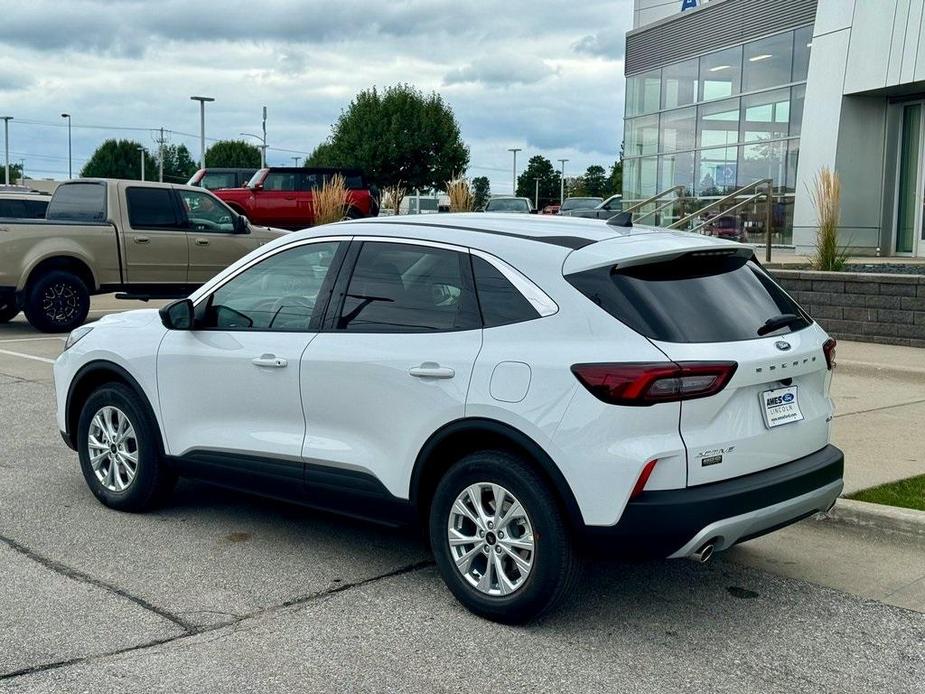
(859,306)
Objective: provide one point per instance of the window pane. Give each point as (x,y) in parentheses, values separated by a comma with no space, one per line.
(716,171)
(78,202)
(500,301)
(409,288)
(679,84)
(798,97)
(279,293)
(802,46)
(720,74)
(214,181)
(793,157)
(763,160)
(641,136)
(718,123)
(206,213)
(677,129)
(677,170)
(642,93)
(766,116)
(151,208)
(281,181)
(768,62)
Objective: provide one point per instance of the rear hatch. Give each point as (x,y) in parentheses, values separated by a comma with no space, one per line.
(714,306)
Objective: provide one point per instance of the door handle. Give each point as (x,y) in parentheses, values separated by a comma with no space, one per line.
(202,242)
(142,239)
(270,361)
(431,369)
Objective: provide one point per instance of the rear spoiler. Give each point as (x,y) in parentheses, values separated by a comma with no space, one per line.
(649,247)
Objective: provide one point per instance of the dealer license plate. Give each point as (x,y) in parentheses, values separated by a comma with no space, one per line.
(780,406)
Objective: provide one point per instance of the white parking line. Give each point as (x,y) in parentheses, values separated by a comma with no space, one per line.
(44,360)
(34,339)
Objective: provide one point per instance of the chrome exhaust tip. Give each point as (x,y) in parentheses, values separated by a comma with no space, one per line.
(702,555)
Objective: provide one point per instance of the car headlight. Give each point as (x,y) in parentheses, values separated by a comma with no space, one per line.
(76,336)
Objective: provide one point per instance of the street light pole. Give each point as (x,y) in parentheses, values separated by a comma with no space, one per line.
(70,174)
(6,147)
(142,150)
(296,160)
(202,127)
(262,147)
(514,151)
(562,180)
(536,197)
(264,158)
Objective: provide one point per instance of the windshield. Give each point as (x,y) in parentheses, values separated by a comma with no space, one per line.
(580,204)
(508,205)
(694,298)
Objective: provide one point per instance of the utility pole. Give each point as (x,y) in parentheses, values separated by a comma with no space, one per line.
(562,180)
(142,150)
(202,127)
(160,157)
(70,175)
(22,172)
(6,146)
(296,160)
(262,147)
(514,151)
(264,150)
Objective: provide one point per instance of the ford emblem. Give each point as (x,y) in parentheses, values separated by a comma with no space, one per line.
(782,346)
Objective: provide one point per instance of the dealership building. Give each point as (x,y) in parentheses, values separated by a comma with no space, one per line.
(726,93)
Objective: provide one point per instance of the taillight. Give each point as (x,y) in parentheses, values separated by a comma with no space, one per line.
(643,478)
(642,384)
(828,348)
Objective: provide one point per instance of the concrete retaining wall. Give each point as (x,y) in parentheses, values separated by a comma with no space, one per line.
(889,309)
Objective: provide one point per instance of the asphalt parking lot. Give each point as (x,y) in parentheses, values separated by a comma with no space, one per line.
(223,592)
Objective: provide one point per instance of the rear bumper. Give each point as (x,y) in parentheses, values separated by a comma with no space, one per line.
(677,523)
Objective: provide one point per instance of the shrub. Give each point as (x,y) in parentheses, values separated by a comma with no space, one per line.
(460,194)
(826,198)
(392,197)
(329,203)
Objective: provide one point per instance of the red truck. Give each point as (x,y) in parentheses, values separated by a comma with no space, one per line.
(282,196)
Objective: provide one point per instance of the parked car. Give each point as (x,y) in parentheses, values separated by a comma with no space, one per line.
(603,210)
(572,204)
(282,196)
(521,390)
(100,235)
(725,227)
(216,178)
(22,204)
(509,204)
(550,209)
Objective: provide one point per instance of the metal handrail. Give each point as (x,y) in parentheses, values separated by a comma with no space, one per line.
(749,199)
(652,213)
(657,196)
(716,203)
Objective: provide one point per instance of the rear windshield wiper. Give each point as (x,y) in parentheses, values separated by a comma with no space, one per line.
(777,322)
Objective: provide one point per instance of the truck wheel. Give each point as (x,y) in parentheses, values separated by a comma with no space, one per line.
(57,302)
(354,213)
(8,308)
(499,538)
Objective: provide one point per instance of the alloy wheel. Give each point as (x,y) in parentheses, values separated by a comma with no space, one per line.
(60,302)
(113,448)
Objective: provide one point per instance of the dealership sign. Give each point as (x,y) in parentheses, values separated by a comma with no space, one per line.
(688,4)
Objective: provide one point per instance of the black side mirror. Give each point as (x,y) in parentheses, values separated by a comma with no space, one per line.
(178,315)
(240,225)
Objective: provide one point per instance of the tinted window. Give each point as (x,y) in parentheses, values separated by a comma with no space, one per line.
(35,209)
(500,301)
(151,208)
(692,299)
(23,209)
(214,181)
(280,293)
(78,202)
(283,181)
(408,288)
(580,204)
(507,205)
(204,212)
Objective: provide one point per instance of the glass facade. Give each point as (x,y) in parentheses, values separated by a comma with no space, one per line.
(720,121)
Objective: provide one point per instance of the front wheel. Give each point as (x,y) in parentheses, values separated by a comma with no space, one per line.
(57,302)
(499,538)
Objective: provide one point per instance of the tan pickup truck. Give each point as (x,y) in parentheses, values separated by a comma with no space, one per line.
(153,240)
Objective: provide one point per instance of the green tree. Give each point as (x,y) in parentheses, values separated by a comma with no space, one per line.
(15,174)
(120,159)
(397,136)
(615,180)
(178,164)
(481,191)
(539,167)
(233,154)
(595,181)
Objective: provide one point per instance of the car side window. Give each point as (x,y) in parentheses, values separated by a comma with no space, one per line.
(281,181)
(409,288)
(500,301)
(280,293)
(151,208)
(205,213)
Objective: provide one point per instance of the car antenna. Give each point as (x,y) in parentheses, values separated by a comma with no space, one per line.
(621,219)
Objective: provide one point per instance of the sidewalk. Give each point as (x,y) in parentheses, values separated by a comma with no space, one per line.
(879,394)
(784,258)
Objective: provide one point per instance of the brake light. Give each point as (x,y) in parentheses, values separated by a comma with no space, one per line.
(643,384)
(643,478)
(828,348)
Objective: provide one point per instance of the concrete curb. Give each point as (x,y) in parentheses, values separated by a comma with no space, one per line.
(889,518)
(871,368)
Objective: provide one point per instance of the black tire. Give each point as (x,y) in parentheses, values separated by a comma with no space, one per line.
(57,302)
(153,481)
(8,308)
(354,213)
(556,565)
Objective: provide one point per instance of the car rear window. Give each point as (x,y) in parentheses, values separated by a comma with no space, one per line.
(695,298)
(78,202)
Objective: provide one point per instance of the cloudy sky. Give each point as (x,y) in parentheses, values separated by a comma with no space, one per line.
(544,75)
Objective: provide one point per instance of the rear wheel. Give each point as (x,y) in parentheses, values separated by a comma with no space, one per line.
(499,539)
(57,302)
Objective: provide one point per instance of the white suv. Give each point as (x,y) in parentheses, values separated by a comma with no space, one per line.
(523,387)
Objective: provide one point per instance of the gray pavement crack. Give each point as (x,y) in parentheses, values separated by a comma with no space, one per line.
(878,409)
(189,630)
